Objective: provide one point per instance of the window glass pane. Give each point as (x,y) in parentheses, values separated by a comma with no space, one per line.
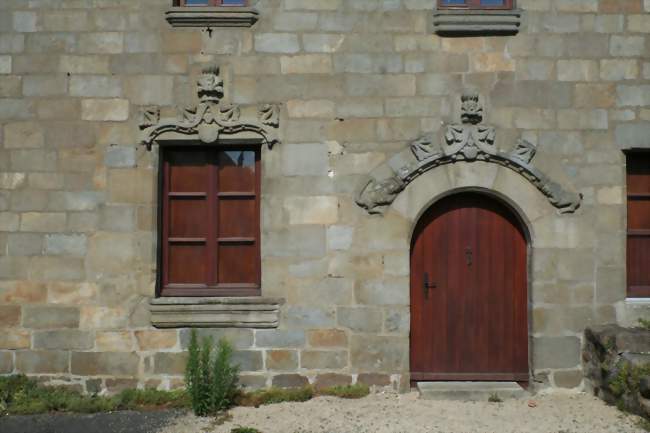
(197,2)
(492,3)
(237,171)
(453,2)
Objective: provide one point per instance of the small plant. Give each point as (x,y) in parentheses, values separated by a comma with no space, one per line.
(348,391)
(645,323)
(494,398)
(644,424)
(276,395)
(210,376)
(240,429)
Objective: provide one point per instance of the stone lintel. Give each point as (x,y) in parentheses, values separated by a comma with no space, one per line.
(212,16)
(459,22)
(186,312)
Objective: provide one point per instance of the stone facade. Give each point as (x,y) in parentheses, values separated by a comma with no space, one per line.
(359,81)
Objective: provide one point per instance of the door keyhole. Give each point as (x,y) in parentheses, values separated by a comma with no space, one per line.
(468,256)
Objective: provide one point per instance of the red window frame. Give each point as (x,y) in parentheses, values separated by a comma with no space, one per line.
(638,224)
(210,3)
(212,242)
(476,4)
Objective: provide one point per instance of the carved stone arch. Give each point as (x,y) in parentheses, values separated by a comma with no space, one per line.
(211,120)
(469,142)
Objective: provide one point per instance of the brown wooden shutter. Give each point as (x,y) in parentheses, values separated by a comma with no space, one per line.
(638,224)
(210,222)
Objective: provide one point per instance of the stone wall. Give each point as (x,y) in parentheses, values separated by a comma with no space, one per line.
(359,80)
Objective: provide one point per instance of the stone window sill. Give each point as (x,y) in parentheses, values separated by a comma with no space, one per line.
(477,22)
(251,312)
(216,16)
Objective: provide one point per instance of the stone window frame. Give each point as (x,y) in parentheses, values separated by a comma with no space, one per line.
(476,4)
(470,20)
(213,16)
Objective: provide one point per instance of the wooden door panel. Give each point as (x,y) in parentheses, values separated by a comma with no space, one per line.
(475,322)
(237,171)
(237,218)
(236,264)
(187,263)
(188,218)
(188,171)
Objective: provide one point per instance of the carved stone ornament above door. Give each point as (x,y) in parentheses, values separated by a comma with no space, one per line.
(467,141)
(212,119)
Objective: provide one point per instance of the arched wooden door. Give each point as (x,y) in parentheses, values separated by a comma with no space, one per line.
(469,302)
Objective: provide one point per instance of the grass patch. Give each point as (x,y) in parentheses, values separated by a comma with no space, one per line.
(22,396)
(275,395)
(494,398)
(348,391)
(644,424)
(241,429)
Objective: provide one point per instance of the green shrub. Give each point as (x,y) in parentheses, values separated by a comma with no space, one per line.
(348,391)
(210,376)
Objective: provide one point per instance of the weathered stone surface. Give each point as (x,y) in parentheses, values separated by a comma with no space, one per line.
(156,340)
(6,362)
(568,379)
(74,245)
(114,341)
(68,339)
(327,338)
(323,359)
(309,159)
(279,338)
(374,379)
(170,363)
(105,363)
(9,315)
(556,352)
(23,135)
(282,360)
(39,362)
(238,338)
(16,339)
(332,379)
(360,319)
(276,43)
(378,354)
(105,109)
(50,317)
(289,381)
(248,360)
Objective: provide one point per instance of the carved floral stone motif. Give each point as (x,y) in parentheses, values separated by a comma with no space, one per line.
(468,141)
(211,119)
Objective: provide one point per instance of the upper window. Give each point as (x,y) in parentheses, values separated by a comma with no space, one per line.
(475,4)
(210,221)
(638,224)
(210,2)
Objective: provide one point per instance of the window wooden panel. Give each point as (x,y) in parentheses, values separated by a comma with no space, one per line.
(476,4)
(210,222)
(192,3)
(638,224)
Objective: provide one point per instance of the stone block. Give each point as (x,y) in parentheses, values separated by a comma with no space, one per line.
(15,339)
(131,186)
(282,360)
(610,284)
(556,352)
(289,381)
(595,95)
(633,135)
(62,268)
(248,360)
(114,341)
(374,379)
(360,319)
(618,69)
(75,64)
(45,85)
(577,70)
(354,130)
(302,241)
(318,108)
(68,339)
(329,380)
(568,378)
(412,107)
(339,237)
(101,43)
(381,85)
(9,316)
(9,222)
(386,291)
(6,362)
(23,135)
(75,200)
(170,363)
(252,382)
(106,363)
(583,119)
(23,292)
(28,200)
(50,317)
(374,354)
(105,109)
(323,359)
(322,42)
(368,63)
(98,86)
(626,46)
(109,253)
(59,244)
(46,180)
(239,338)
(150,89)
(277,338)
(301,317)
(42,362)
(10,87)
(71,293)
(142,42)
(492,62)
(312,210)
(5,64)
(306,64)
(118,218)
(633,95)
(360,107)
(397,320)
(276,43)
(156,339)
(24,244)
(327,338)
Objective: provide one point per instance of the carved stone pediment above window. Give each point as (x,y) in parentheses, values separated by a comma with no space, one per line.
(212,119)
(467,141)
(212,17)
(477,22)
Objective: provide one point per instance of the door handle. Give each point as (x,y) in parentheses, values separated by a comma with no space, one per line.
(426,285)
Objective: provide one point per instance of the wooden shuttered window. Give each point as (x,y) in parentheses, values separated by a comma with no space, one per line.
(210,221)
(638,224)
(475,4)
(210,3)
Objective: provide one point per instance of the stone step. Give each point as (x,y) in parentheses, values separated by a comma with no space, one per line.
(470,391)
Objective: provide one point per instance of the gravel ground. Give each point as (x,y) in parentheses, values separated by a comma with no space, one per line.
(388,412)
